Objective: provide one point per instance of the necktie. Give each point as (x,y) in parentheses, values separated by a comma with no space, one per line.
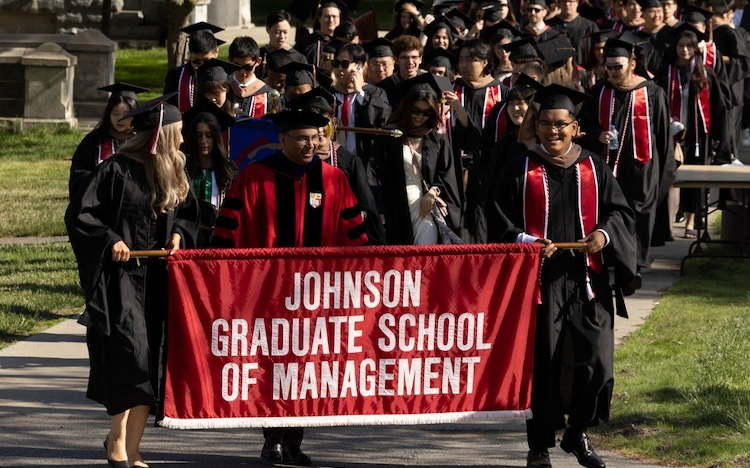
(344,119)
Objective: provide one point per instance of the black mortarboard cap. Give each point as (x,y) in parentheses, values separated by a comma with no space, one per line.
(492,13)
(556,51)
(439,58)
(205,106)
(380,47)
(556,96)
(318,98)
(686,27)
(523,47)
(541,3)
(695,14)
(278,59)
(459,19)
(646,4)
(200,26)
(153,115)
(124,89)
(600,36)
(487,34)
(299,73)
(617,47)
(524,87)
(216,70)
(293,119)
(435,83)
(400,4)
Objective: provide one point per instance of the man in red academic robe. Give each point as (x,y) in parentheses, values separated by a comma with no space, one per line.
(290,199)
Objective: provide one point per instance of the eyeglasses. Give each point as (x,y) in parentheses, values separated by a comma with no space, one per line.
(535,10)
(408,58)
(547,126)
(614,66)
(247,67)
(379,65)
(416,112)
(303,140)
(341,63)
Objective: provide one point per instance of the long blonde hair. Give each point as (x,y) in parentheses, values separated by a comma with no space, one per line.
(165,171)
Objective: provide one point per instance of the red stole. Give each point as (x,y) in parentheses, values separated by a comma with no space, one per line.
(501,123)
(186,87)
(491,97)
(259,106)
(536,206)
(640,115)
(106,149)
(701,104)
(709,55)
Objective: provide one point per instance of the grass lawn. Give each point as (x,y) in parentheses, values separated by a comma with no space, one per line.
(682,381)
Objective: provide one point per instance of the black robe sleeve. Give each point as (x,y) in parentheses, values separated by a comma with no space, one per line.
(84,161)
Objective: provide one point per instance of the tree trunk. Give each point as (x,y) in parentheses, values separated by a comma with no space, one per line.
(106,16)
(178,12)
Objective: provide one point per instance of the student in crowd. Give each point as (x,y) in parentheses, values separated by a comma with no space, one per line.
(628,125)
(202,46)
(407,19)
(408,52)
(278,27)
(138,199)
(380,60)
(250,93)
(108,135)
(416,171)
(560,192)
(208,165)
(328,16)
(214,85)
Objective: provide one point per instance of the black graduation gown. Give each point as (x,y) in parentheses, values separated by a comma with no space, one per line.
(733,45)
(85,159)
(577,32)
(469,140)
(172,82)
(357,177)
(262,69)
(644,185)
(312,46)
(566,316)
(390,87)
(437,170)
(125,302)
(697,145)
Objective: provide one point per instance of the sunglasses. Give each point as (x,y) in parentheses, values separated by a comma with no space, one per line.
(247,67)
(197,62)
(535,10)
(425,112)
(617,66)
(341,63)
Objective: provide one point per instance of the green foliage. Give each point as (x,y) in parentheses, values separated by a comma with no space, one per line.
(682,391)
(38,287)
(143,67)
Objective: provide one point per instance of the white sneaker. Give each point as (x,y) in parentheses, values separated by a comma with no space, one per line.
(736,162)
(746,137)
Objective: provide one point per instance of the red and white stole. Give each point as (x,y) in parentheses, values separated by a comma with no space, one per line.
(501,123)
(259,105)
(536,207)
(491,97)
(709,55)
(701,104)
(186,87)
(641,123)
(105,150)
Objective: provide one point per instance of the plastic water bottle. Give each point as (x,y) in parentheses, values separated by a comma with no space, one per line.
(614,141)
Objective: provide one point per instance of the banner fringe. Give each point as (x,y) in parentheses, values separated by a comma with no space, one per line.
(330,421)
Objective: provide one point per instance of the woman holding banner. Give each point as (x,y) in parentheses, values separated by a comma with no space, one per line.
(139,198)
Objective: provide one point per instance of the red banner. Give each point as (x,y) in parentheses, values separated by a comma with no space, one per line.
(356,335)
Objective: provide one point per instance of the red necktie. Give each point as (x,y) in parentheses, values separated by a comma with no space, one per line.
(345,111)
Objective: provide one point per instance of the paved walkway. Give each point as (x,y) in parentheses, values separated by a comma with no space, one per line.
(46,420)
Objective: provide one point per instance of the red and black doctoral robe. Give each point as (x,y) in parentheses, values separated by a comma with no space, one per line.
(277,203)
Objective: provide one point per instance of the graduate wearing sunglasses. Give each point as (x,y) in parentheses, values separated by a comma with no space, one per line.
(628,125)
(416,171)
(251,93)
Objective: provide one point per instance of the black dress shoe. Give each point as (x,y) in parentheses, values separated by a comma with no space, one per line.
(535,459)
(114,463)
(271,451)
(579,444)
(293,455)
